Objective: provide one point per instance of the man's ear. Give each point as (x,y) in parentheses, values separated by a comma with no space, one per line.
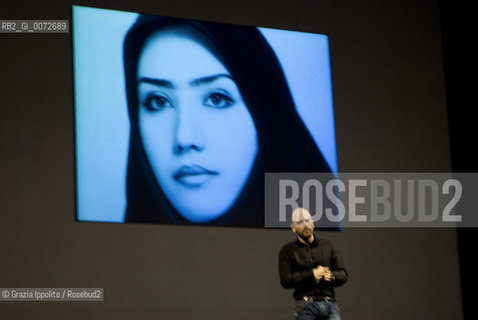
(292,228)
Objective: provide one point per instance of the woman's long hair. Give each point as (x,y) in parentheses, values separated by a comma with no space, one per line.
(284,143)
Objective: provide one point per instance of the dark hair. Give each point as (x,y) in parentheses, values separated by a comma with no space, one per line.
(284,143)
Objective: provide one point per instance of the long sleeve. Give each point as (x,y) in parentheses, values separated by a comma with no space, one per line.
(288,277)
(296,263)
(338,268)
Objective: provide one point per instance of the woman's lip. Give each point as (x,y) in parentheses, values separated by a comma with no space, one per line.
(193,175)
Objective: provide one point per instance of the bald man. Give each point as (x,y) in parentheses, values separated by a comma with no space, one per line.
(313,267)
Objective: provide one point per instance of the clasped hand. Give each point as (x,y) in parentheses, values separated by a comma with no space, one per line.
(322,272)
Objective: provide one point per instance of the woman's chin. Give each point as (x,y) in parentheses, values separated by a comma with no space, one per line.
(198,214)
(203,205)
(196,217)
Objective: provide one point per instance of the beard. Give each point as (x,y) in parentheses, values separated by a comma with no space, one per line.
(305,237)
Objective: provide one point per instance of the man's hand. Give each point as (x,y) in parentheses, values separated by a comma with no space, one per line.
(328,276)
(320,272)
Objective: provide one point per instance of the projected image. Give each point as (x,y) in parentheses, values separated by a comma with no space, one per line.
(203,110)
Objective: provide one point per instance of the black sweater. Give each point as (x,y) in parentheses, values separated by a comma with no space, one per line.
(296,261)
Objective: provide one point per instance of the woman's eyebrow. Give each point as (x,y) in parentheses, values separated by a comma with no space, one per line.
(156,82)
(209,79)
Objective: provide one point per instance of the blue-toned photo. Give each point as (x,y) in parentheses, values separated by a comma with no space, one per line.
(178,120)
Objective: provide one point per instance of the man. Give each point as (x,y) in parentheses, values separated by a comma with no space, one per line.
(313,267)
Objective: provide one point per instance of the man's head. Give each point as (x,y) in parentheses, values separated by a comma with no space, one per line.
(302,224)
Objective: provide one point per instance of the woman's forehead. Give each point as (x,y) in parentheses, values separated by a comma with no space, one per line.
(178,55)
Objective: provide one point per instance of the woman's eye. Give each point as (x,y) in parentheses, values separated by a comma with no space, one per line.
(156,102)
(218,100)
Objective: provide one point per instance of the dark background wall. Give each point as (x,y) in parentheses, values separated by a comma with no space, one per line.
(391,116)
(458,28)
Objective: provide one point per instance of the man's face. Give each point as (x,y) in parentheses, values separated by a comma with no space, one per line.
(302,223)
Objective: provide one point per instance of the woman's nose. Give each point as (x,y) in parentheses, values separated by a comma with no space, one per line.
(188,136)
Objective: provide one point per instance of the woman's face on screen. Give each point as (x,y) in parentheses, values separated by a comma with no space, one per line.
(198,134)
